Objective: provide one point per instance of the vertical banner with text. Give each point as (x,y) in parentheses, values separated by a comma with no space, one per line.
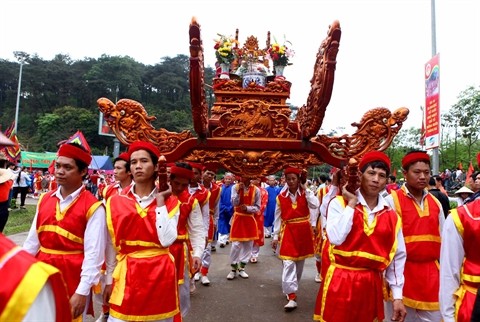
(432,103)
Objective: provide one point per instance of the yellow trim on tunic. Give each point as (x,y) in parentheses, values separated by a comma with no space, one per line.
(155,317)
(27,291)
(422,238)
(456,220)
(60,252)
(62,232)
(361,254)
(120,272)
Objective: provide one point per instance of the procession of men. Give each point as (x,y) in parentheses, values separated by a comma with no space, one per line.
(140,251)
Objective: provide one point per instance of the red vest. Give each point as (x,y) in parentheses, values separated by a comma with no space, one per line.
(368,246)
(180,248)
(467,222)
(61,234)
(140,254)
(26,278)
(296,234)
(421,230)
(212,204)
(353,281)
(244,226)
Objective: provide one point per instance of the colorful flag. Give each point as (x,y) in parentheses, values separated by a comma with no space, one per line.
(12,153)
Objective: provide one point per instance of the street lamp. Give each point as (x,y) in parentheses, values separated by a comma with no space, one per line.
(21,57)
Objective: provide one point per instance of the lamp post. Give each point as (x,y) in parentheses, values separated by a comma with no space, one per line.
(21,57)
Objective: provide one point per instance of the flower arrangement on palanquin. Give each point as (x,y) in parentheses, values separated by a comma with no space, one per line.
(249,66)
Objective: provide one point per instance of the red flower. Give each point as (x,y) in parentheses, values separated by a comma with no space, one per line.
(217,45)
(275,56)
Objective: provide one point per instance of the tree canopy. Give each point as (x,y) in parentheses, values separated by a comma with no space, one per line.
(58,97)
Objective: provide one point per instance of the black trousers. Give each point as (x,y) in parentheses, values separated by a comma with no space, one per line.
(23,194)
(3,214)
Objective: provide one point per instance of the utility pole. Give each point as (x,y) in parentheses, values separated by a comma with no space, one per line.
(21,57)
(435,158)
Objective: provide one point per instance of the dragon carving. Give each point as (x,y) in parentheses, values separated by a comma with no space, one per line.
(375,131)
(249,131)
(310,117)
(130,122)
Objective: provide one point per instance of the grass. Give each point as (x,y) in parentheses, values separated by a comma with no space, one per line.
(19,220)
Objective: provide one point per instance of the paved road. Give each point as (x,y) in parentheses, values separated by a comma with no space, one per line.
(258,298)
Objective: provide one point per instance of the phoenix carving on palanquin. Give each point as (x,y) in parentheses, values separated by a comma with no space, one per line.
(249,130)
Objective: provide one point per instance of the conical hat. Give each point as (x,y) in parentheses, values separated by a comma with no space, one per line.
(463,190)
(5,175)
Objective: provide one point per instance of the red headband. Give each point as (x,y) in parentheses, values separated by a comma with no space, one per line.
(124,156)
(181,172)
(292,170)
(374,156)
(415,157)
(142,145)
(76,153)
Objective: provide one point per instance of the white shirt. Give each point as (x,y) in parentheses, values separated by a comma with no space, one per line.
(339,224)
(312,201)
(452,255)
(196,231)
(93,244)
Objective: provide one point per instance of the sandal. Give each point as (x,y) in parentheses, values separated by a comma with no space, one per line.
(253,260)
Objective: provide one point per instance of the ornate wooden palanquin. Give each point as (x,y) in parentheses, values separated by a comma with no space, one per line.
(249,130)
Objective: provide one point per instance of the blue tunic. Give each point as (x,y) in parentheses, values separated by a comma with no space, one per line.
(226,210)
(270,209)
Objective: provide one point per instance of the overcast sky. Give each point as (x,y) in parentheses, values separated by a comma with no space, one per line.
(384,46)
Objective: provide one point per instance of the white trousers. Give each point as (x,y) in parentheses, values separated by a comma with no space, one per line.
(207,256)
(241,251)
(291,275)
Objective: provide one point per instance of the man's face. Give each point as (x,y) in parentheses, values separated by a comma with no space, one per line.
(228,180)
(141,166)
(179,185)
(418,175)
(67,173)
(208,177)
(292,181)
(197,175)
(373,180)
(271,182)
(120,172)
(476,183)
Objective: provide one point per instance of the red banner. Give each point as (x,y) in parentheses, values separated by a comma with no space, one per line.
(432,103)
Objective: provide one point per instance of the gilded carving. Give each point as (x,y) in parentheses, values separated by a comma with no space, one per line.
(254,118)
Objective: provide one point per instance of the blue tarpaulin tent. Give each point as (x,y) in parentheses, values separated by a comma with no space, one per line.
(101,162)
